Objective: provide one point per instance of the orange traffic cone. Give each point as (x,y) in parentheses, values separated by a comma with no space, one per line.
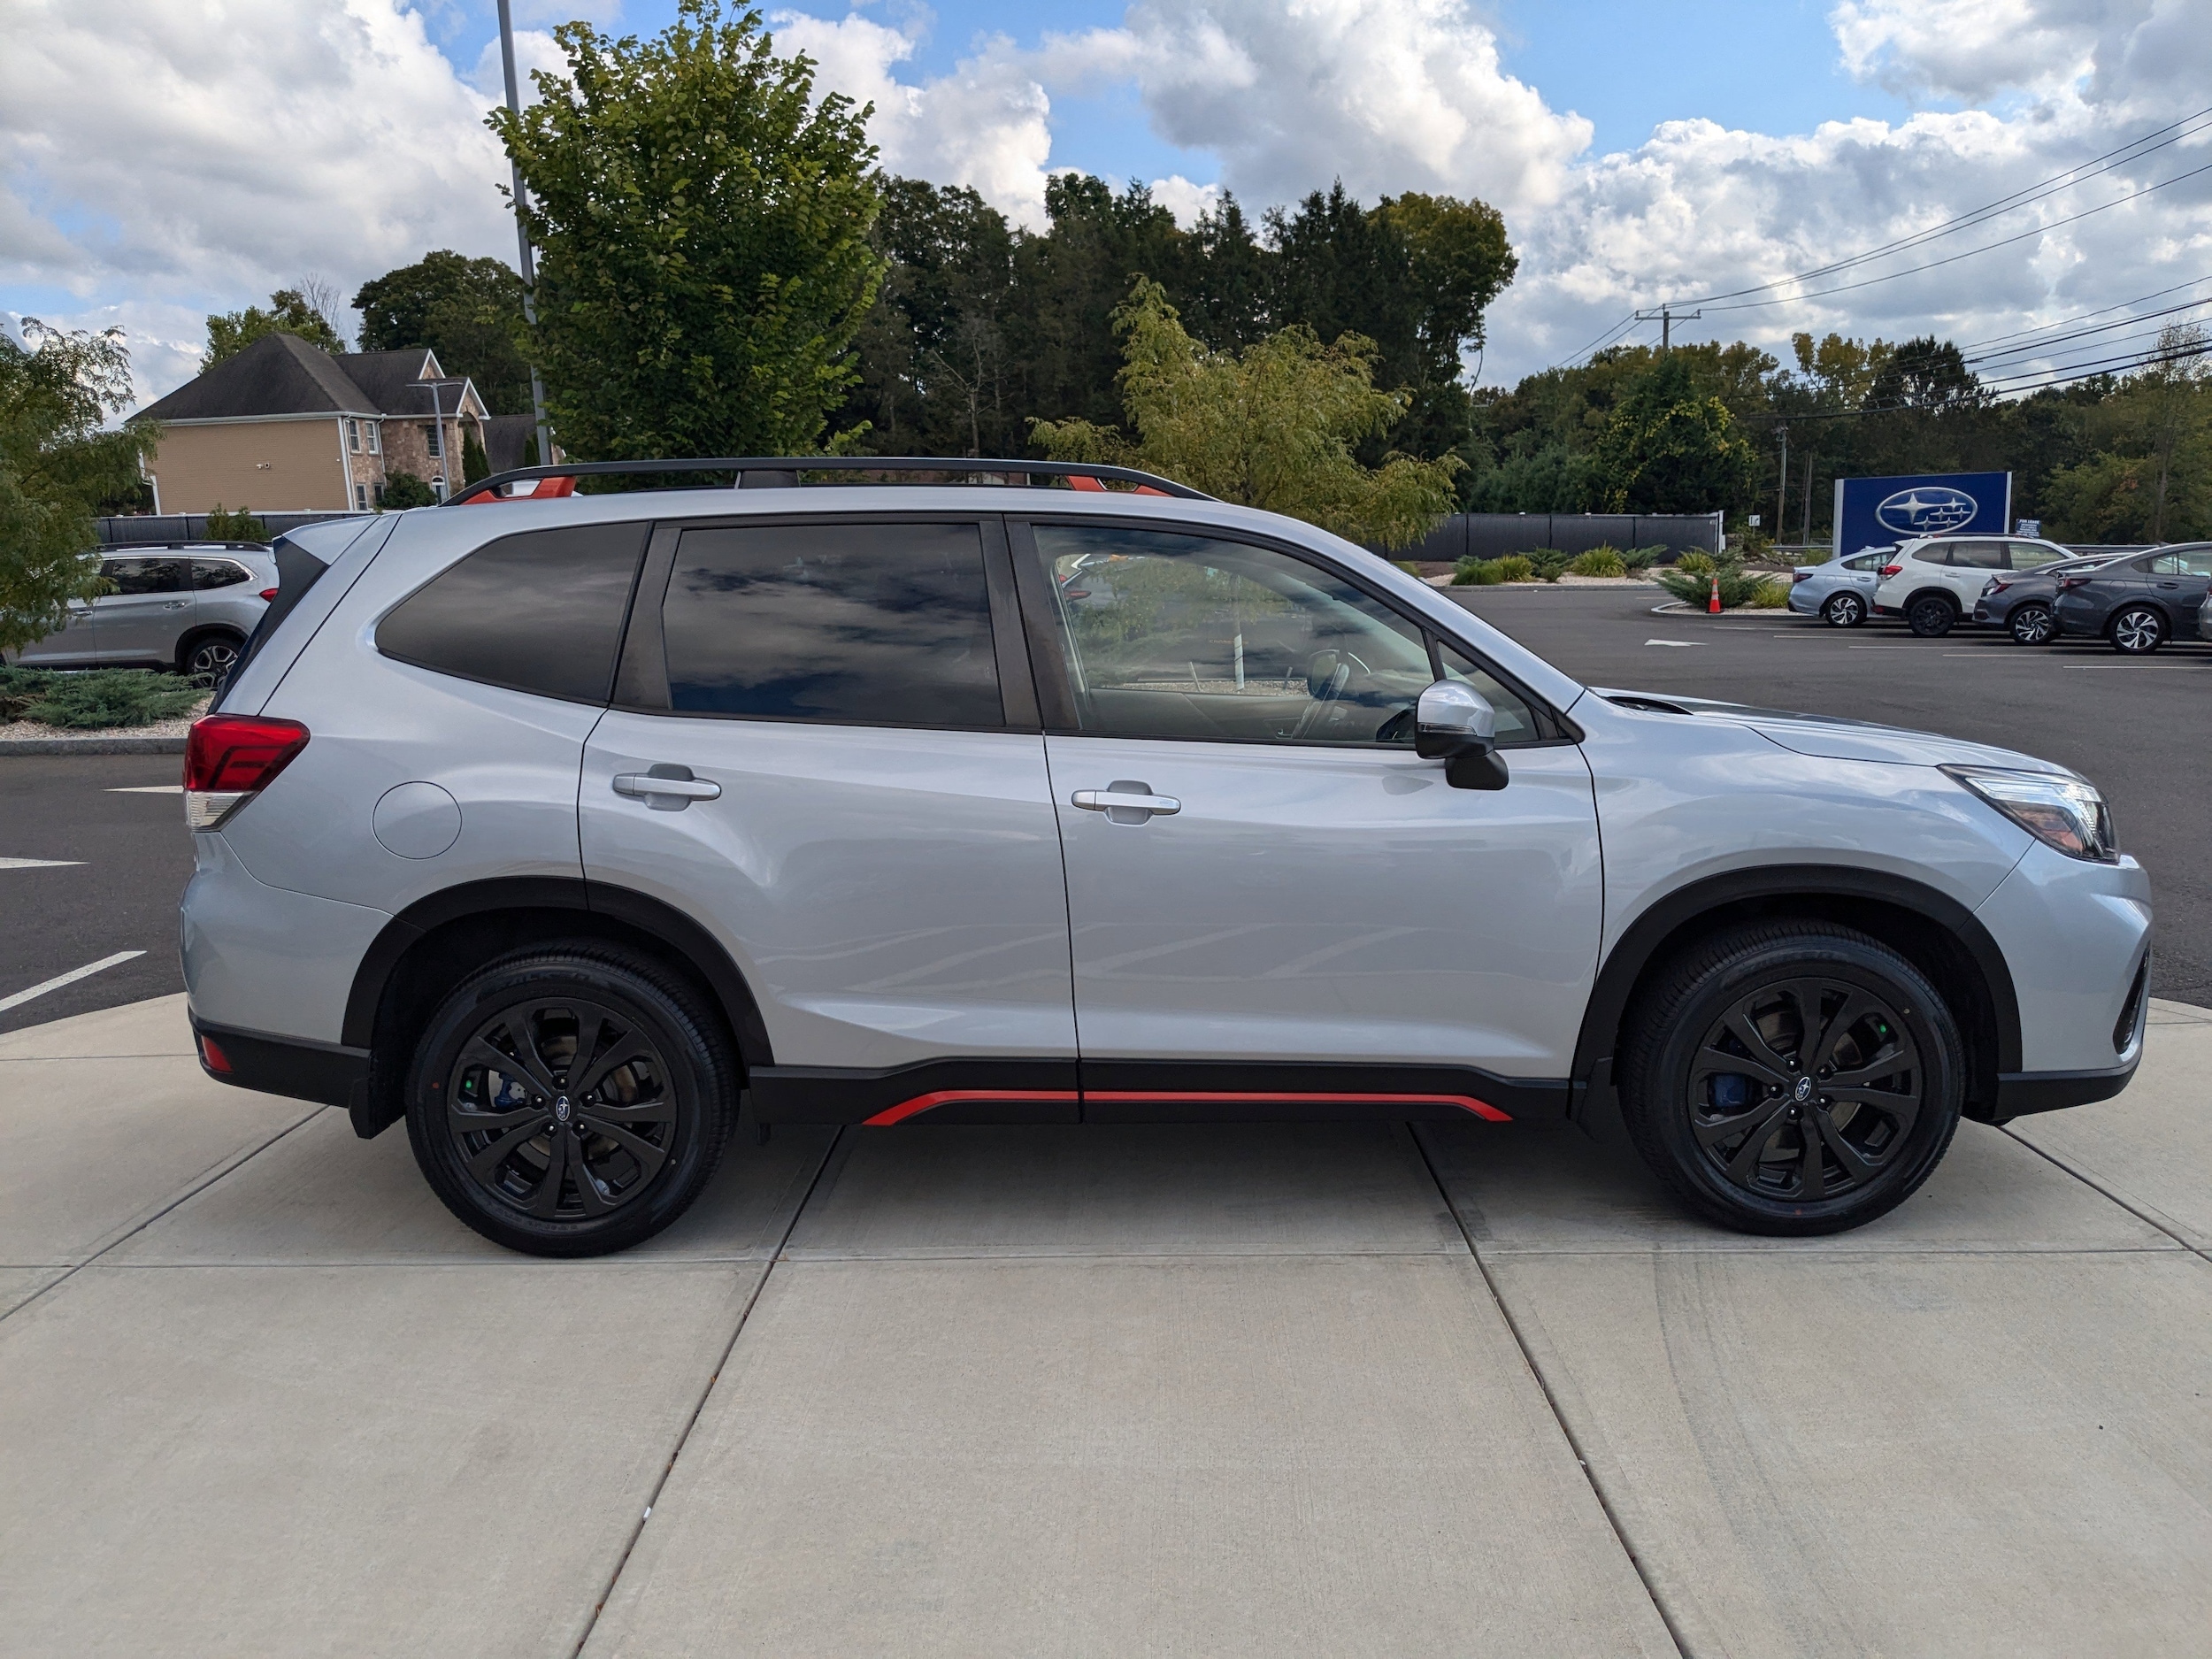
(1712,605)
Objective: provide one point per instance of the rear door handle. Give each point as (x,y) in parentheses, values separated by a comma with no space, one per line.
(665,787)
(1125,801)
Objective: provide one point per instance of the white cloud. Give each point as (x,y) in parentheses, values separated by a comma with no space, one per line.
(535,48)
(1186,201)
(1968,49)
(985,125)
(1388,95)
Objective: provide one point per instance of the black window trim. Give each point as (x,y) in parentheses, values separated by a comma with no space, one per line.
(641,680)
(1051,678)
(377,644)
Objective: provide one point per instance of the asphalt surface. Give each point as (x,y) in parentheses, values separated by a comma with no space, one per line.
(2137,729)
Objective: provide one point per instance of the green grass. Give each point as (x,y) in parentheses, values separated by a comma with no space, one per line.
(99,699)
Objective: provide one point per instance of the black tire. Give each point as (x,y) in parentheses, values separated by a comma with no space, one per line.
(2032,624)
(1736,1151)
(2136,631)
(208,656)
(1844,611)
(1932,616)
(626,1155)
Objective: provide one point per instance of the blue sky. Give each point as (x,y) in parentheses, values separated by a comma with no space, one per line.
(161,161)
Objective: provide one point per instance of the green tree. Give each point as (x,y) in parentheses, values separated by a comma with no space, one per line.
(702,222)
(57,463)
(235,526)
(402,490)
(1274,426)
(1668,449)
(469,311)
(289,312)
(2151,478)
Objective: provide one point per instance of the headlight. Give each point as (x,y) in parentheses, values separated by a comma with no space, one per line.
(2063,812)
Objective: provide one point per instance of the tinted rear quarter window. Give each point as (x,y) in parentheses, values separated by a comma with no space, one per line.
(540,612)
(854,624)
(207,573)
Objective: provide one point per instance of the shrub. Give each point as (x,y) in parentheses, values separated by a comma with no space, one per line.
(1513,567)
(95,700)
(404,490)
(1407,566)
(1598,561)
(235,526)
(1695,562)
(1643,558)
(1768,593)
(1550,564)
(1739,588)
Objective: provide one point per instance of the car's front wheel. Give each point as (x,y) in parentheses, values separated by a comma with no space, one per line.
(1792,1077)
(1844,611)
(571,1099)
(2031,625)
(1932,617)
(2137,631)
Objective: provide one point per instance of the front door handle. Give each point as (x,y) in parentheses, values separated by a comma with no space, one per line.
(666,789)
(1126,802)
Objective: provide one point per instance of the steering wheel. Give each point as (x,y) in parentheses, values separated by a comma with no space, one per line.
(1331,688)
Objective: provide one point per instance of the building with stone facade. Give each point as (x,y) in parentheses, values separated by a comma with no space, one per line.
(284,426)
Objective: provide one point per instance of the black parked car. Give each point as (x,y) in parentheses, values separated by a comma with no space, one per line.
(2137,602)
(2019,602)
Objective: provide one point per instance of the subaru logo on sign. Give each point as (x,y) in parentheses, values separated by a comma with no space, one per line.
(1926,509)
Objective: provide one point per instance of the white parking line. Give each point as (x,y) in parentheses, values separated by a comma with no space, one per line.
(148,788)
(69,978)
(38,863)
(1684,643)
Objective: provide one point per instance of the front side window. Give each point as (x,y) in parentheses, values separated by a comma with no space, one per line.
(145,576)
(1165,634)
(854,624)
(2032,556)
(540,613)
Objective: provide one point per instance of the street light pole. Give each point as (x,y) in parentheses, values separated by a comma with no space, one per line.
(522,239)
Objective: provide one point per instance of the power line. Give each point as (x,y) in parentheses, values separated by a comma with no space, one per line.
(2140,299)
(2030,347)
(2004,241)
(2107,162)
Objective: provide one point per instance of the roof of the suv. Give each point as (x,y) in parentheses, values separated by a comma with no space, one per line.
(790,471)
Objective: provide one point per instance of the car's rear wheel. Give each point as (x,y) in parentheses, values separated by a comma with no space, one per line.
(2137,631)
(1792,1077)
(571,1099)
(1931,615)
(208,656)
(1844,611)
(2031,625)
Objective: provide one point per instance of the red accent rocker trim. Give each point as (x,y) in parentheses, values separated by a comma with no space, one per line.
(907,1108)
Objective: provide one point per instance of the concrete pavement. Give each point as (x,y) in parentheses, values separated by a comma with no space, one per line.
(1096,1390)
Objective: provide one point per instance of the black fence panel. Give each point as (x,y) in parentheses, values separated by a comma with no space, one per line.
(143,529)
(1491,535)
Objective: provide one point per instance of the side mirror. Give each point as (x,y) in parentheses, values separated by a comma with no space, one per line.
(1455,723)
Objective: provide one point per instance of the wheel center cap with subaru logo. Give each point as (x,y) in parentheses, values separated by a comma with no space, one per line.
(1804,1089)
(1926,509)
(560,1108)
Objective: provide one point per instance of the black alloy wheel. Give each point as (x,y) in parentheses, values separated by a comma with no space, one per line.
(2030,624)
(210,657)
(1932,617)
(572,1100)
(1793,1079)
(2137,631)
(1844,611)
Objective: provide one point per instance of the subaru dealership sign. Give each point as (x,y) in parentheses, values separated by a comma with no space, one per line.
(1877,511)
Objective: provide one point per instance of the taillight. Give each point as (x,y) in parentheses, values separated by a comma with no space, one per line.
(1892,570)
(1996,584)
(268,595)
(2071,582)
(229,758)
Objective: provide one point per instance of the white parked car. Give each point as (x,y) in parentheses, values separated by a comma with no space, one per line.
(549,828)
(1934,580)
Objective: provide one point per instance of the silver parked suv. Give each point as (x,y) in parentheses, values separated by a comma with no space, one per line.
(559,826)
(187,606)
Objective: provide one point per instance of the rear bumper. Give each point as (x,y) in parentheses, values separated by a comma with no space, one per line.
(324,1072)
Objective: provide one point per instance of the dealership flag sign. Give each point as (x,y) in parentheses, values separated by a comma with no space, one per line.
(1881,511)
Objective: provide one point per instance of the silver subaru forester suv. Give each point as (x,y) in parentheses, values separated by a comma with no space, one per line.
(564,827)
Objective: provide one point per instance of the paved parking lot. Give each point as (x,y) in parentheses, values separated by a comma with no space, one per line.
(1467,1389)
(1091,1391)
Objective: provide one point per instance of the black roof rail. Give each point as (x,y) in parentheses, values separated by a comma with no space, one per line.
(757,471)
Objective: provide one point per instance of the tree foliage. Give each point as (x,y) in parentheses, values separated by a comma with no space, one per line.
(702,221)
(1274,426)
(289,312)
(57,465)
(469,311)
(1668,449)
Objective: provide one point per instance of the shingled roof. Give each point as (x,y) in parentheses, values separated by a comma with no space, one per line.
(281,374)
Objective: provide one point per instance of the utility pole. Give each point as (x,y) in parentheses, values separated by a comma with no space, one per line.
(1805,534)
(522,240)
(1782,486)
(1666,317)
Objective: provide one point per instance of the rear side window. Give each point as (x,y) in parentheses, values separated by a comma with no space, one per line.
(1867,562)
(2183,562)
(857,624)
(1981,555)
(207,573)
(146,576)
(2026,555)
(540,612)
